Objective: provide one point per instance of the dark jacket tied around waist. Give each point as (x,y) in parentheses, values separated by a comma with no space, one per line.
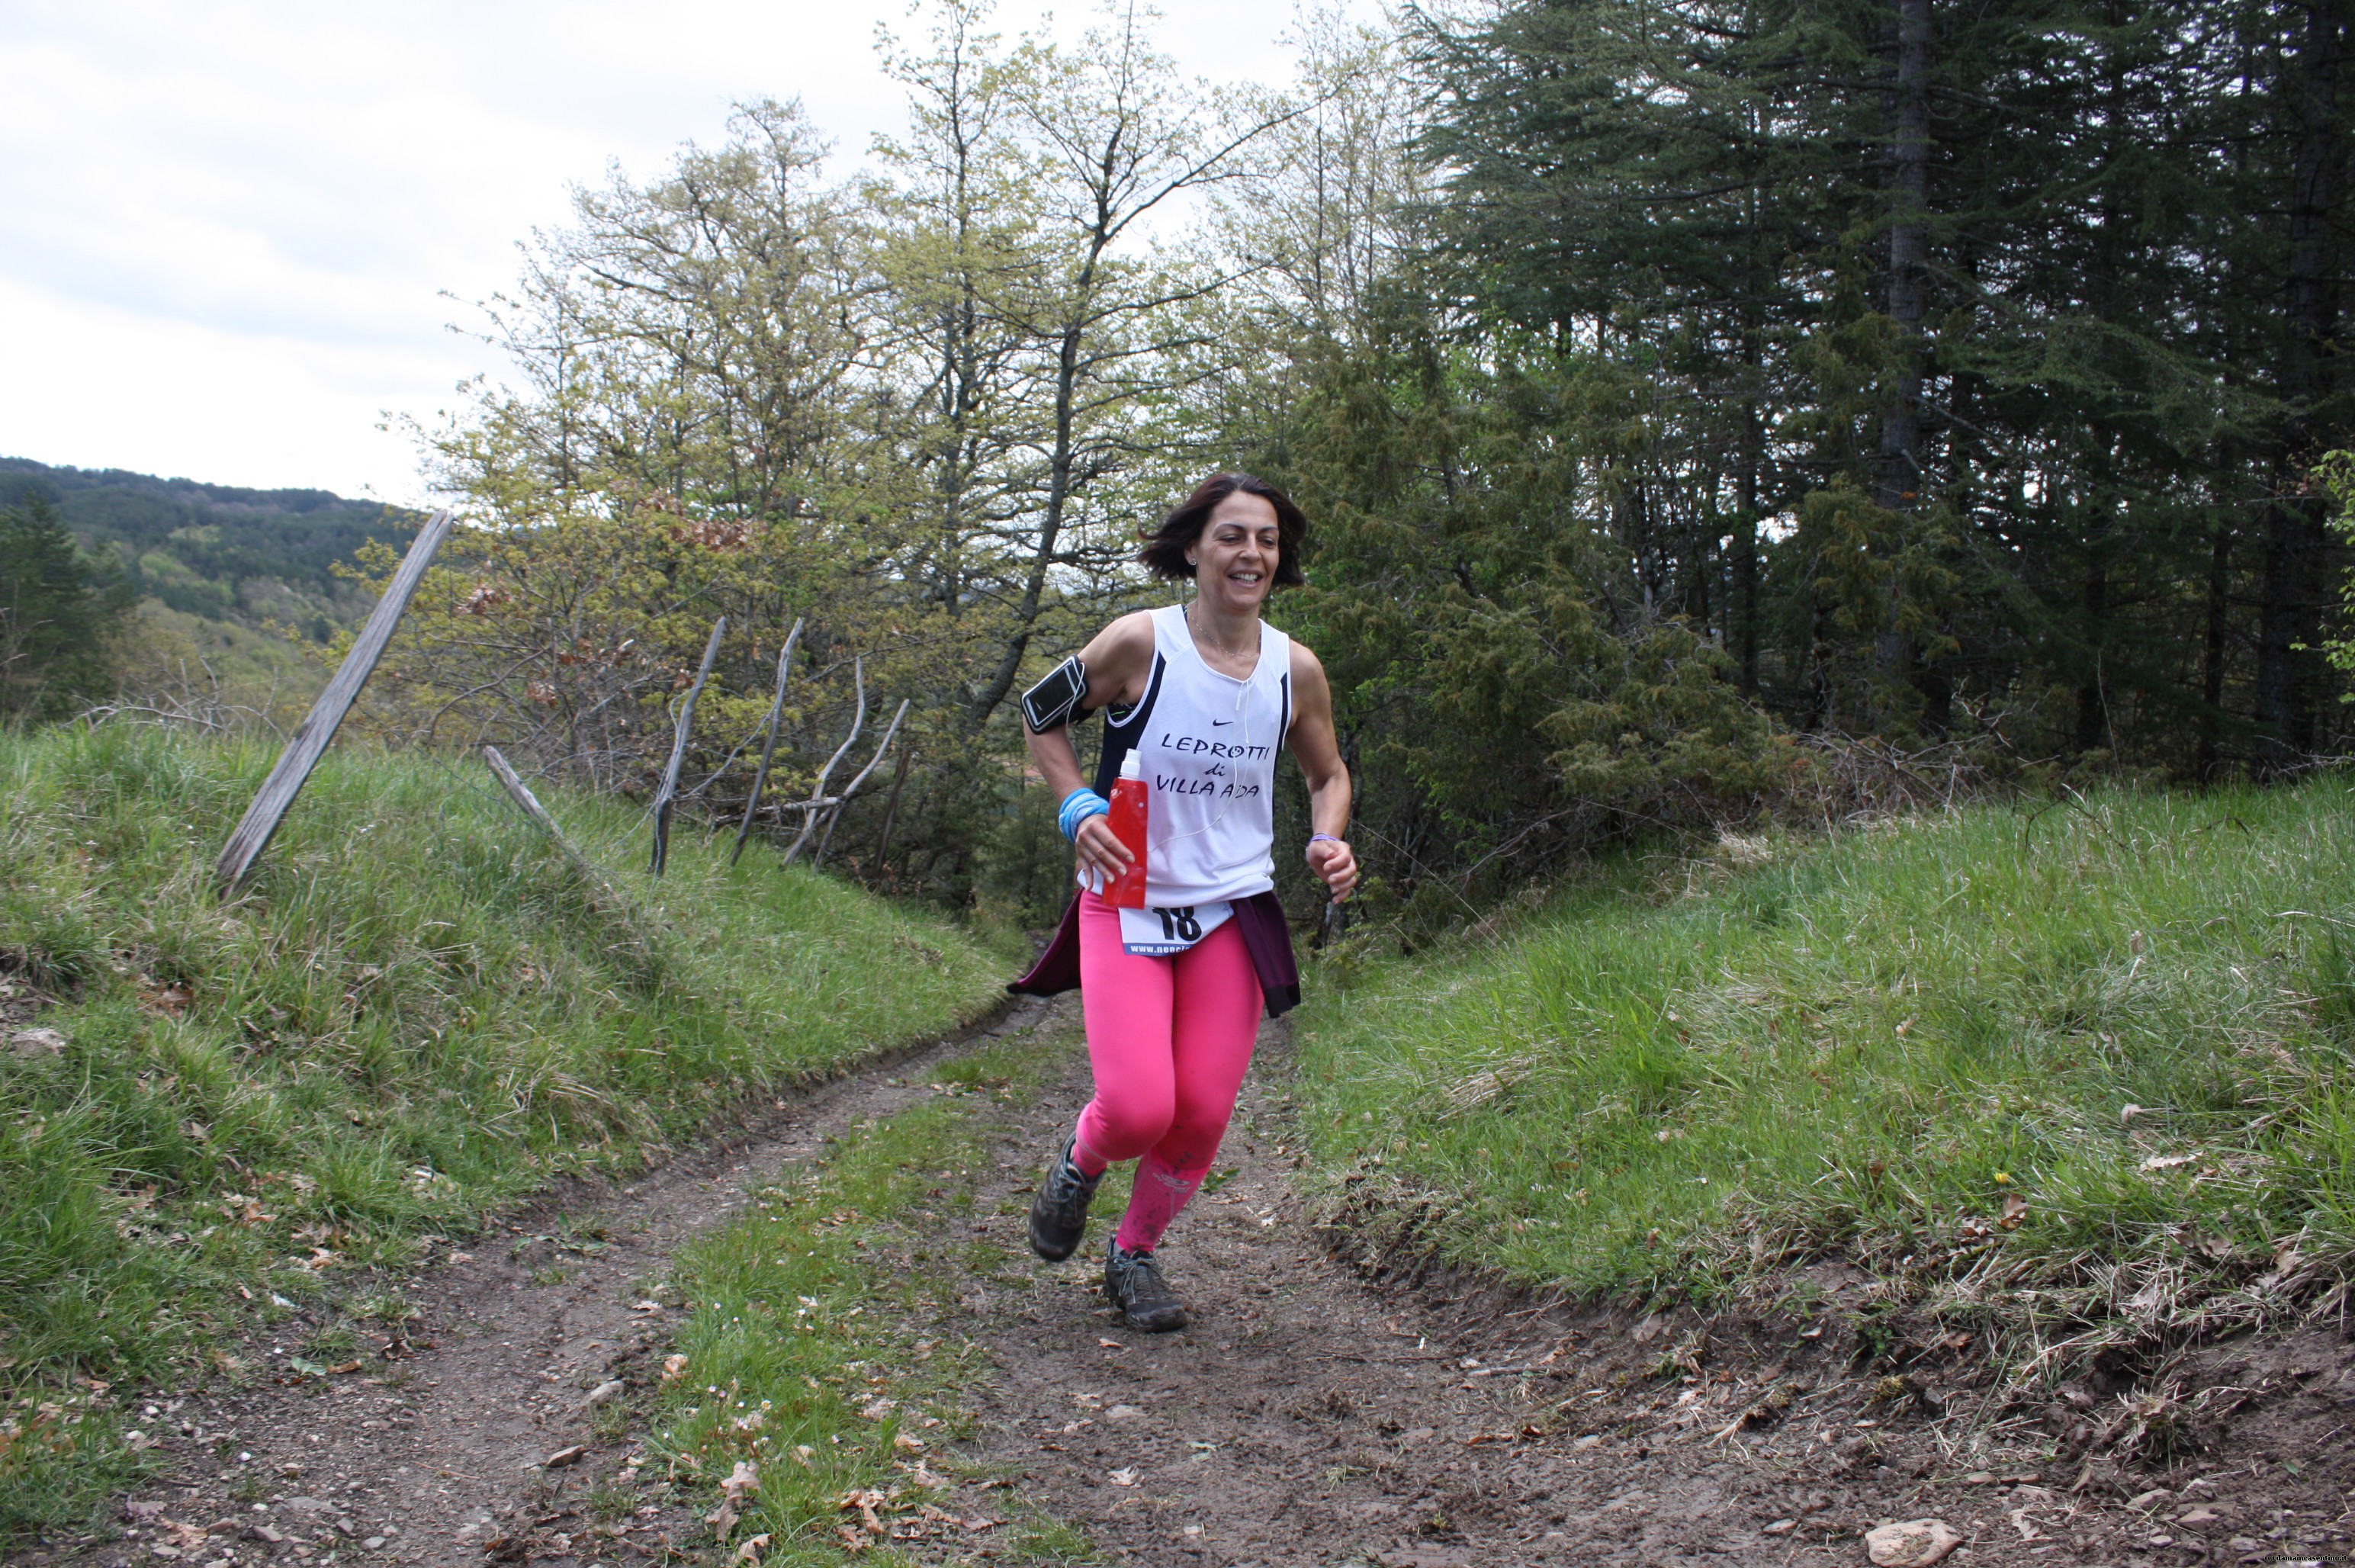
(1267,937)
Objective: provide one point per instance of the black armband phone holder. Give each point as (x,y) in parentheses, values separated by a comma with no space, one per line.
(1056,699)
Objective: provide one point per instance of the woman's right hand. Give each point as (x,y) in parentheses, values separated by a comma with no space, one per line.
(1101,854)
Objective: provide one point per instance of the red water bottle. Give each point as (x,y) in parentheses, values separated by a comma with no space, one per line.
(1128,797)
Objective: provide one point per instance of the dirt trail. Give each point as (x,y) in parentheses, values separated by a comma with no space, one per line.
(443,1453)
(1305,1417)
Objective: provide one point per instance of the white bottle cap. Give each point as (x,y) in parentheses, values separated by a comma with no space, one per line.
(1132,767)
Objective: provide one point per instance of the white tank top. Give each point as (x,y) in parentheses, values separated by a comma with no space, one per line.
(1207,742)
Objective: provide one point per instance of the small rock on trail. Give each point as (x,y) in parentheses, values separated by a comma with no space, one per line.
(1917,1544)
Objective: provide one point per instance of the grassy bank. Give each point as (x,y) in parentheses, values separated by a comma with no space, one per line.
(2063,1070)
(413,1012)
(807,1358)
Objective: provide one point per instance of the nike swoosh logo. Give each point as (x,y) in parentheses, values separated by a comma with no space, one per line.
(1220,723)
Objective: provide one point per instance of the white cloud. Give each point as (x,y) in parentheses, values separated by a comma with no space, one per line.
(226,228)
(97,386)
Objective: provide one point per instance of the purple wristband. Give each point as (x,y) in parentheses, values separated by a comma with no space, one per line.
(1328,838)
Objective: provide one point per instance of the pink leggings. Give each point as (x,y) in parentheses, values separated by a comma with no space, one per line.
(1169,1039)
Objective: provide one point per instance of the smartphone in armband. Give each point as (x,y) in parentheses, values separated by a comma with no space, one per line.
(1056,699)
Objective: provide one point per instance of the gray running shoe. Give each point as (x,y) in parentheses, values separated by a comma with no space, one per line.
(1134,1283)
(1059,1211)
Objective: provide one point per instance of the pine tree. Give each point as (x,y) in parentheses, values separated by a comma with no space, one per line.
(62,615)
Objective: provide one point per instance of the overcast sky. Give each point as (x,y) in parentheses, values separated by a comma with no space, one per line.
(226,229)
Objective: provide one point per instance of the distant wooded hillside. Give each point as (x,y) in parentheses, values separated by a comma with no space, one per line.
(217,550)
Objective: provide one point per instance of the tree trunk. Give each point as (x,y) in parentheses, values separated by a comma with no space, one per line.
(2092,704)
(2296,533)
(2211,654)
(1059,470)
(1745,555)
(1898,481)
(1899,474)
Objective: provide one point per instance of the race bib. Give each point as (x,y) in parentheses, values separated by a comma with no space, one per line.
(1158,933)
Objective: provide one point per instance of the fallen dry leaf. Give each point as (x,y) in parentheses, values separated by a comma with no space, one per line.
(1125,1477)
(674,1368)
(851,1539)
(564,1456)
(2015,1210)
(169,1000)
(751,1549)
(745,1478)
(907,1445)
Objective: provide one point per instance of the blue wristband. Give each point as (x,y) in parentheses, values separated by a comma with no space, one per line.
(1078,806)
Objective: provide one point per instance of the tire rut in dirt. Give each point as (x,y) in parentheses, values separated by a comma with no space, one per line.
(472,1440)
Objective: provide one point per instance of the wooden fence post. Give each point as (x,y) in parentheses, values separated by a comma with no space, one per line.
(769,742)
(591,872)
(520,792)
(679,748)
(309,743)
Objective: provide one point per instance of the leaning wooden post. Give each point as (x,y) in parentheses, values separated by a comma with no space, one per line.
(813,806)
(277,794)
(520,792)
(852,787)
(591,872)
(769,742)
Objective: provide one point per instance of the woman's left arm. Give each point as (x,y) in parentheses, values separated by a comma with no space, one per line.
(1319,751)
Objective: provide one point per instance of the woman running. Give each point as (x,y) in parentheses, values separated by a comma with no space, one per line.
(1204,694)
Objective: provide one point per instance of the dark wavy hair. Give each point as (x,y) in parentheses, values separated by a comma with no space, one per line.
(1164,554)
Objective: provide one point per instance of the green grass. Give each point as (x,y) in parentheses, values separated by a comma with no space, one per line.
(412,1013)
(2133,1015)
(810,1354)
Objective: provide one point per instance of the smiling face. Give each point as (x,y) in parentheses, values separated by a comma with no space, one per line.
(1235,556)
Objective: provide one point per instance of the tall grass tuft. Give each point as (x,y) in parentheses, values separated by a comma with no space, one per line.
(2079,1071)
(413,1012)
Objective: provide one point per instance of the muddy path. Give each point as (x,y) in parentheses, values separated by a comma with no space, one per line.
(1304,1417)
(447,1443)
